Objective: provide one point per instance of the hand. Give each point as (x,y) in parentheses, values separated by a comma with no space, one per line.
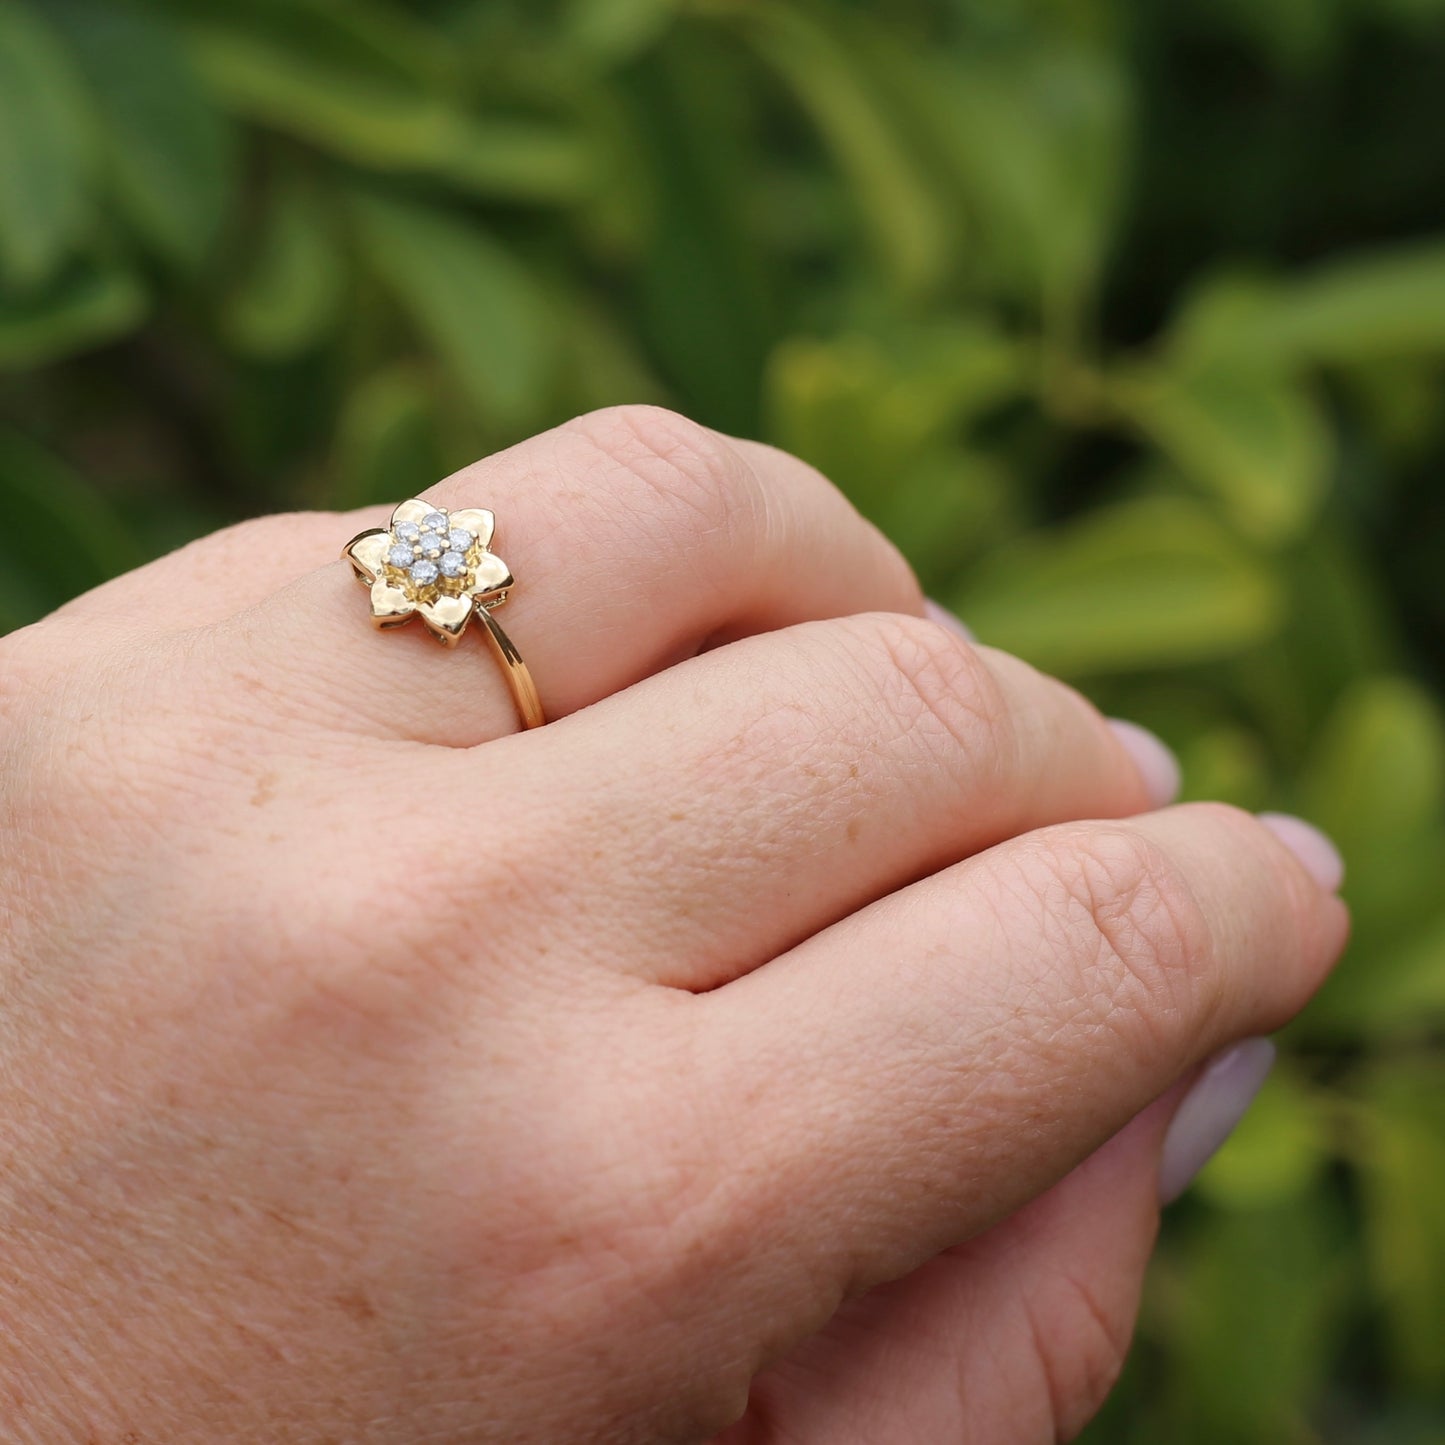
(723,1056)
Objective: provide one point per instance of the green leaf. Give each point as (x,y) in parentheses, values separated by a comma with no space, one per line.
(1362,308)
(1403,990)
(1401,1161)
(376,88)
(46,149)
(168,154)
(1254,1308)
(831,83)
(1277,1151)
(703,289)
(1376,783)
(90,304)
(43,498)
(290,295)
(1037,143)
(864,408)
(616,30)
(388,446)
(477,304)
(1144,584)
(1253,439)
(601,362)
(882,417)
(1227,763)
(1380,767)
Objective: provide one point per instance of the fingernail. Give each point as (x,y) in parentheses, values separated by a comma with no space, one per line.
(1154,759)
(940,614)
(1220,1098)
(1319,855)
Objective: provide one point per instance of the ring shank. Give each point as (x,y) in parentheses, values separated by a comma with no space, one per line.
(519,679)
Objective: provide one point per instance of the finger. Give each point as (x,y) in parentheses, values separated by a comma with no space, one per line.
(919,1071)
(808,772)
(634,536)
(1017,1335)
(215,576)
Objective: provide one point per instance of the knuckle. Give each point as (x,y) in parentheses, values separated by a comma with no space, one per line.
(687,467)
(1140,937)
(934,683)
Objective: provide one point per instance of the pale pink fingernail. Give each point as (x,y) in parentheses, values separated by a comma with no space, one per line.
(1155,760)
(1319,855)
(936,612)
(1220,1098)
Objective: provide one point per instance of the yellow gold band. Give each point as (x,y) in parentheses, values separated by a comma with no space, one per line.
(519,679)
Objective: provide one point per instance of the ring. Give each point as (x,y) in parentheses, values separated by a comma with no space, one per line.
(439,566)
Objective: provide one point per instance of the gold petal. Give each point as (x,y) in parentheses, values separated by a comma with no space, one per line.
(367,552)
(446,616)
(411,511)
(478,521)
(490,575)
(390,606)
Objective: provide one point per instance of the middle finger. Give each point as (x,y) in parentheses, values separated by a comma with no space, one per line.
(745,799)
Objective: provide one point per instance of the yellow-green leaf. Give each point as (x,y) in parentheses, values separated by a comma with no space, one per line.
(379,89)
(1144,584)
(1401,1161)
(1376,782)
(1374,306)
(1277,1151)
(1254,439)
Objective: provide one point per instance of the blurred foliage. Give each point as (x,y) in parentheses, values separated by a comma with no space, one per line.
(1126,319)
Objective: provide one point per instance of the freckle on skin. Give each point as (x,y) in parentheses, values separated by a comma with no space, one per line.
(265,790)
(356,1304)
(854,828)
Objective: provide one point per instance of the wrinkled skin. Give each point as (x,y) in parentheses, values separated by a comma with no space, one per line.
(750,1053)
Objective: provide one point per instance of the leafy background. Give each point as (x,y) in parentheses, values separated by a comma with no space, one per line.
(1127,319)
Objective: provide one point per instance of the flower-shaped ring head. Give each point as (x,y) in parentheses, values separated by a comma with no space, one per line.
(432,564)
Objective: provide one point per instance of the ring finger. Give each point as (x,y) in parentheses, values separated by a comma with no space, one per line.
(636,538)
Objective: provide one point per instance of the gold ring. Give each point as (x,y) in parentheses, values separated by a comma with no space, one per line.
(439,566)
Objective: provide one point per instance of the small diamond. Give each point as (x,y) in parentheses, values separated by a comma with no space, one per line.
(432,544)
(453,564)
(402,554)
(459,540)
(424,573)
(435,522)
(407,531)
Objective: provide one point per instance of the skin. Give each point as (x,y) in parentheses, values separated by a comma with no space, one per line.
(776,1047)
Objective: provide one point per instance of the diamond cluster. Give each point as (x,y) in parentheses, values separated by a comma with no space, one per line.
(432,553)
